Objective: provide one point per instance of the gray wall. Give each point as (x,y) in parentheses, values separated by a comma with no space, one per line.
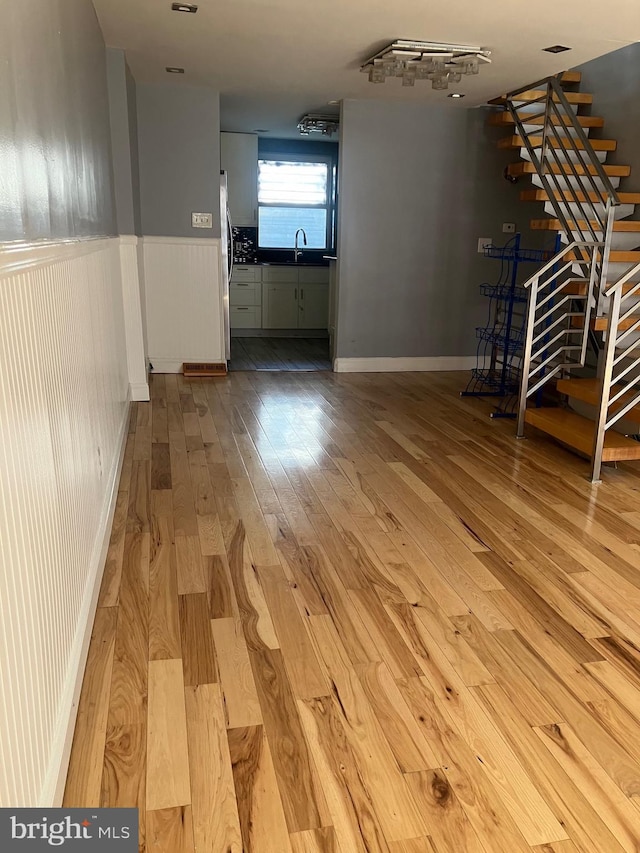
(614,81)
(179,147)
(55,175)
(418,187)
(124,142)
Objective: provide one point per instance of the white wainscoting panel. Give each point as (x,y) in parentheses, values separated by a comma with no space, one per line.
(63,419)
(137,365)
(183,301)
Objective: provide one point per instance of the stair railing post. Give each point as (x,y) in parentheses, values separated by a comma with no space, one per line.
(605,384)
(526,356)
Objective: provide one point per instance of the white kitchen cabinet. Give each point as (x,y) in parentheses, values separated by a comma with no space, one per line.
(245,298)
(239,159)
(313,306)
(279,305)
(295,297)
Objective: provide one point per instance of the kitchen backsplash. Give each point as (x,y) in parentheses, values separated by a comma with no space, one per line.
(245,245)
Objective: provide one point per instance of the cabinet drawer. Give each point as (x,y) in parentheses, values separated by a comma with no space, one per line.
(246,274)
(245,293)
(249,317)
(283,274)
(313,275)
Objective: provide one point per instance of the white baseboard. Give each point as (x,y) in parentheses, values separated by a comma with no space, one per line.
(404,364)
(139,393)
(169,365)
(55,779)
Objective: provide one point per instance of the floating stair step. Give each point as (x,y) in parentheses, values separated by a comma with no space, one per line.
(588,391)
(601,324)
(542,195)
(505,118)
(614,257)
(556,225)
(578,432)
(578,287)
(570,77)
(538,94)
(536,141)
(571,169)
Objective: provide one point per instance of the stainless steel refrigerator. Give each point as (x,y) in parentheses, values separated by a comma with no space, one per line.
(226,262)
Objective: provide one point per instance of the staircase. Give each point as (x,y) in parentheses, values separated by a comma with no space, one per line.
(590,290)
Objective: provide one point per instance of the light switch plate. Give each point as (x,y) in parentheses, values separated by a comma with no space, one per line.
(482,242)
(508,227)
(202,220)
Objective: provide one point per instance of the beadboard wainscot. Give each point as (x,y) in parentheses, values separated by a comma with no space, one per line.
(64,407)
(184,310)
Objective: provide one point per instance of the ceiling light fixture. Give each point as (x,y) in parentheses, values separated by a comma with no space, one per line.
(173,69)
(425,60)
(455,95)
(556,48)
(317,123)
(184,7)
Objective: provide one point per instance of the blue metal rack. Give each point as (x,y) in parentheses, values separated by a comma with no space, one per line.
(500,343)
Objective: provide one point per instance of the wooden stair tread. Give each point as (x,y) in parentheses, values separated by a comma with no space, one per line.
(505,118)
(556,225)
(538,194)
(588,390)
(571,77)
(578,432)
(516,141)
(601,324)
(615,257)
(524,167)
(536,94)
(578,287)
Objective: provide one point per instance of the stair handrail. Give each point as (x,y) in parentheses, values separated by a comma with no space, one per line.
(558,256)
(616,285)
(614,355)
(545,369)
(553,82)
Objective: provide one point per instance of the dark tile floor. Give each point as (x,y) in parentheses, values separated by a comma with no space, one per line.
(280,354)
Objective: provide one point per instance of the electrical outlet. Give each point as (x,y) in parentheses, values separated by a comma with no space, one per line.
(202,220)
(508,227)
(482,242)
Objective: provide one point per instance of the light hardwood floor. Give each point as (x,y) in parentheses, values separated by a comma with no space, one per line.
(350,614)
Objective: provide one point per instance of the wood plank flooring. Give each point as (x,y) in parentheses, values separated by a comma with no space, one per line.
(352,614)
(257,353)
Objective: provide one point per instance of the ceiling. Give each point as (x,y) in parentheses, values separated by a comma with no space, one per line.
(273,60)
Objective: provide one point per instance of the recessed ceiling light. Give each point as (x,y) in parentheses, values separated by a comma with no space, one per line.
(184,7)
(260,130)
(556,48)
(172,69)
(333,103)
(455,95)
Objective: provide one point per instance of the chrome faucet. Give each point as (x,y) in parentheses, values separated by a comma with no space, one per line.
(296,251)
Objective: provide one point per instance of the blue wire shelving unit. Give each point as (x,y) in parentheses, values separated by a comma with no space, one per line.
(500,342)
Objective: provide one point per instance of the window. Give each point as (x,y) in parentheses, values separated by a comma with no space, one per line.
(294,193)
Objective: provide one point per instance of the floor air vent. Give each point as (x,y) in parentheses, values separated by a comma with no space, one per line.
(204,368)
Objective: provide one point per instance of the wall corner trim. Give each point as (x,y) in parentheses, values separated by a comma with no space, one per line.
(404,364)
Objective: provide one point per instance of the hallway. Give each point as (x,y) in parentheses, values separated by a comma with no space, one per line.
(349,613)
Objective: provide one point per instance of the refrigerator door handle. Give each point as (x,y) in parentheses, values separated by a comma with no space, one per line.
(231,260)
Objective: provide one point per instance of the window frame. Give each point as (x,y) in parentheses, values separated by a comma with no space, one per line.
(303,157)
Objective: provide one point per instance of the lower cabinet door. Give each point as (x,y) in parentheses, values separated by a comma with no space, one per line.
(313,306)
(245,317)
(279,305)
